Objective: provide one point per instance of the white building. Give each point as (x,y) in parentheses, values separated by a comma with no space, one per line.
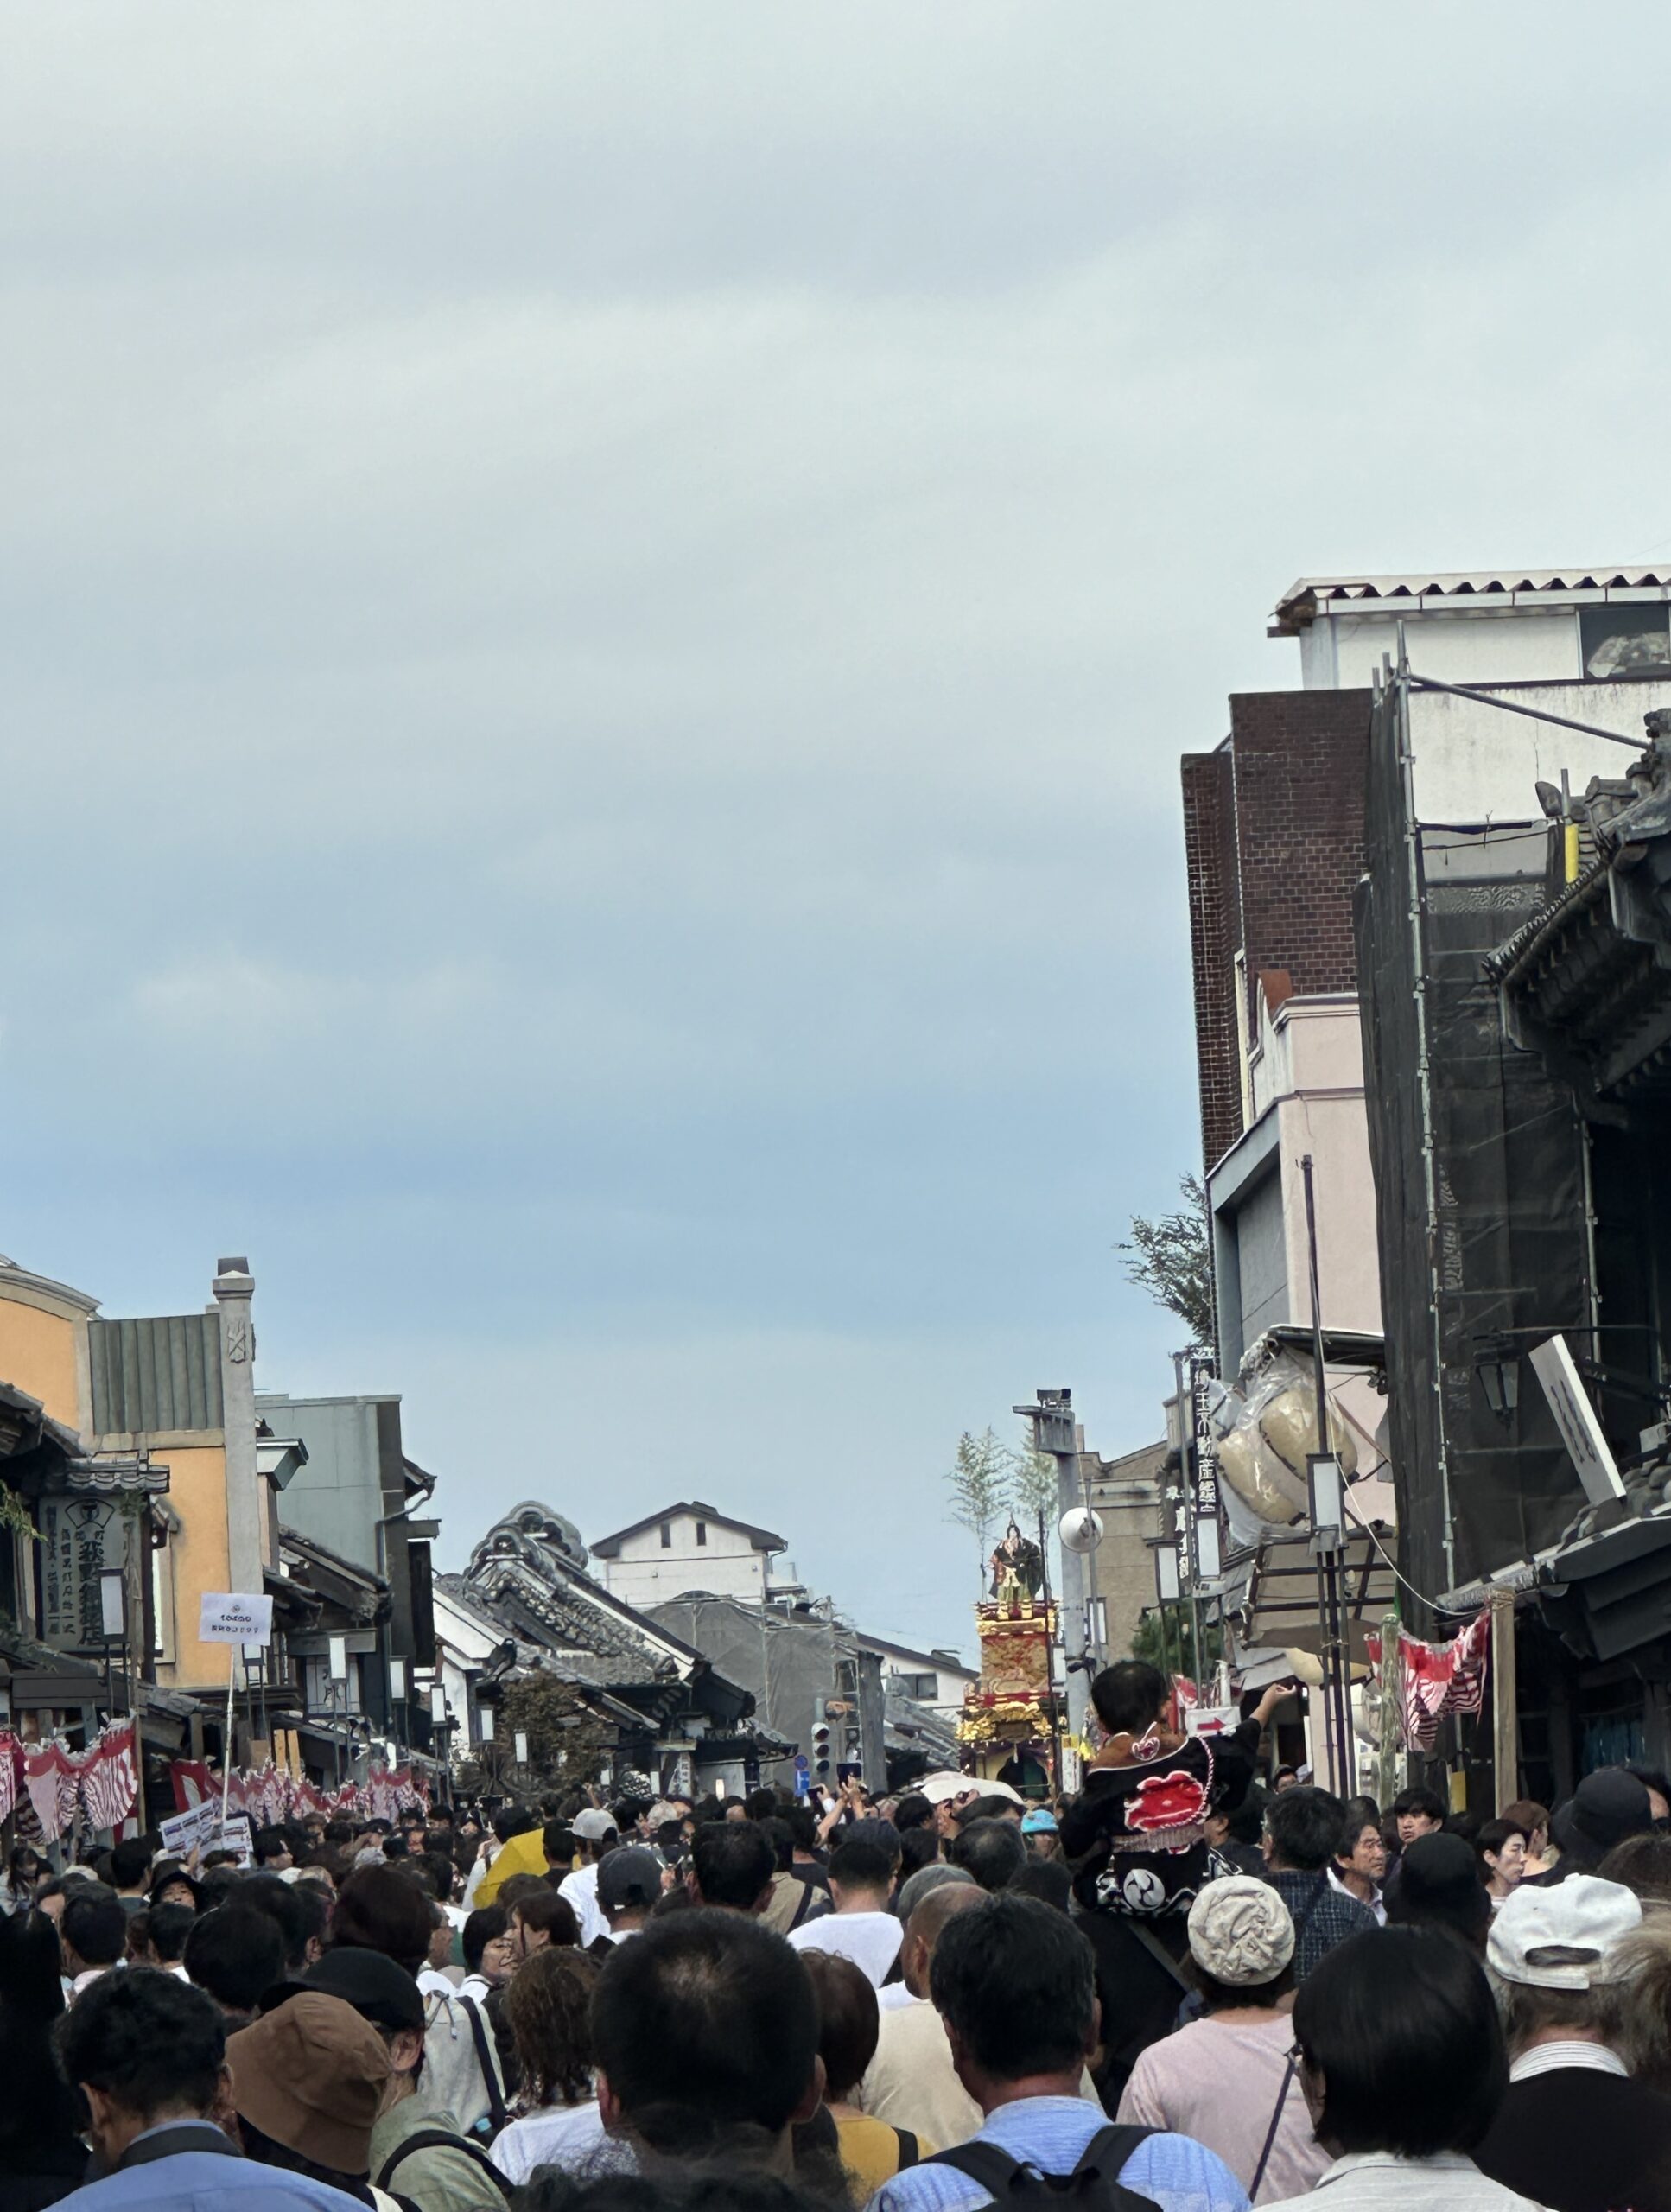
(1542,626)
(934,1680)
(685,1548)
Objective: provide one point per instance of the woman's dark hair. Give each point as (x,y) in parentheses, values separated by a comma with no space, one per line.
(850,2020)
(913,1811)
(548,1915)
(1400,2027)
(1129,1697)
(486,1922)
(17,1879)
(378,1909)
(39,2114)
(547,2011)
(1220,1996)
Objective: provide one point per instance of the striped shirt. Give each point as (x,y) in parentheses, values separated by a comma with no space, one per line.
(1053,2135)
(1380,2181)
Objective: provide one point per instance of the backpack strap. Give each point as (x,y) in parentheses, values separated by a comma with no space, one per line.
(443,2139)
(490,2073)
(1107,2152)
(1110,2147)
(910,2149)
(1312,1904)
(1270,2133)
(1162,1957)
(984,2163)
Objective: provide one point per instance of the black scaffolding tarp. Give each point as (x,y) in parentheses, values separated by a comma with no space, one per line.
(1489,1250)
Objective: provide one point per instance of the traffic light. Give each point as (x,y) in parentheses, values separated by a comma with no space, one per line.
(820,1748)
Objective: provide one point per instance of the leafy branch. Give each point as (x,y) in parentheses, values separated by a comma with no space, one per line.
(1171,1257)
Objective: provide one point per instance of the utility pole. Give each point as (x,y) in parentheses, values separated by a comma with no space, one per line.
(1056,1434)
(1185,1510)
(1049,1658)
(1326,1489)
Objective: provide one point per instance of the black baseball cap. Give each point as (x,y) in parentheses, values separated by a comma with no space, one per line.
(377,1989)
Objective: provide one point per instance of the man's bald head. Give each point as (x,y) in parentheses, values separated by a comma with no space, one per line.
(923,1928)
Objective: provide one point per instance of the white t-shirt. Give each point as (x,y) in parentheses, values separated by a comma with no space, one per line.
(871,1940)
(581,1888)
(556,2135)
(892,1996)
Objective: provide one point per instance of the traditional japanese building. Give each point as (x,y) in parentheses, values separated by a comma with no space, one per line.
(690,1725)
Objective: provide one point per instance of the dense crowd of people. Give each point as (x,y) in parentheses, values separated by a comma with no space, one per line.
(1186,1988)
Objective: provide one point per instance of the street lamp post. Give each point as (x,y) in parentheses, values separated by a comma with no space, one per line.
(397,1701)
(113,1621)
(337,1647)
(441,1726)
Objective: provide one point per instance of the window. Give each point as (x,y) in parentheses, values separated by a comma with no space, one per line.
(324,1697)
(1624,641)
(925,1689)
(667,1535)
(701,1532)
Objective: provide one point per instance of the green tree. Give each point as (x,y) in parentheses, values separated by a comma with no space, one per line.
(1171,1257)
(1173,1652)
(979,1480)
(1032,1488)
(567,1744)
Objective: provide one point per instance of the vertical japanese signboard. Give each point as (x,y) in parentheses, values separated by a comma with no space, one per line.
(1203,1452)
(79,1537)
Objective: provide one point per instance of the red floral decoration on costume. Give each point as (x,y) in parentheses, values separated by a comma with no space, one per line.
(1167,1801)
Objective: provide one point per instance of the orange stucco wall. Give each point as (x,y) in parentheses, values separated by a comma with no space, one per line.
(197,1492)
(37,1354)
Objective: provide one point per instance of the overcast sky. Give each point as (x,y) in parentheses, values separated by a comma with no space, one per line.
(600,607)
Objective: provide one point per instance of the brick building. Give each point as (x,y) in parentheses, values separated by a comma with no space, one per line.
(1273,843)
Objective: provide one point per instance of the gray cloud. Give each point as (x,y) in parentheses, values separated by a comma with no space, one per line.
(602,607)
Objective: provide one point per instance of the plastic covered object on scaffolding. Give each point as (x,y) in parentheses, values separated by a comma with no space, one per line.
(1267,1430)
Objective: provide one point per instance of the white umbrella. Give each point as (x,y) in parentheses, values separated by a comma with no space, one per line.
(939,1788)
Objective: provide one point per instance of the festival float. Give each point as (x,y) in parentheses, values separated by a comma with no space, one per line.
(1010,1716)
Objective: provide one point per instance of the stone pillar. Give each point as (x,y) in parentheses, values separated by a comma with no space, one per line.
(234,1288)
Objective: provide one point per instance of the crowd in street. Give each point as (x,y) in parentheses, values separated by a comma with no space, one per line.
(1187,1987)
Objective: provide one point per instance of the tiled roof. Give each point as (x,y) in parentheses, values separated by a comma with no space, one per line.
(762,1539)
(1309,596)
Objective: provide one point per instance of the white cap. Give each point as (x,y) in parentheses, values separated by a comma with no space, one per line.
(1562,1938)
(594,1824)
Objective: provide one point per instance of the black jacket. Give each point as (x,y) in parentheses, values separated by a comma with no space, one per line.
(1580,2141)
(1133,1835)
